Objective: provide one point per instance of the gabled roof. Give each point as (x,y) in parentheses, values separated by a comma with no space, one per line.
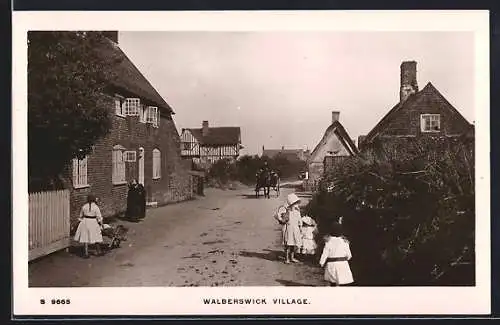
(226,135)
(428,90)
(130,80)
(338,129)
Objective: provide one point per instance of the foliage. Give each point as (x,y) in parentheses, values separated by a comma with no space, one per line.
(408,208)
(66,112)
(245,168)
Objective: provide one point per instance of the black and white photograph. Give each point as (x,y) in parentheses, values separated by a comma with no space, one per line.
(273,168)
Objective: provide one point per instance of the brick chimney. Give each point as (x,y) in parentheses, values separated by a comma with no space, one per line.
(335,116)
(408,80)
(112,35)
(204,128)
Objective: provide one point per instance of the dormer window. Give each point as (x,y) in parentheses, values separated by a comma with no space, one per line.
(430,123)
(131,106)
(119,105)
(152,115)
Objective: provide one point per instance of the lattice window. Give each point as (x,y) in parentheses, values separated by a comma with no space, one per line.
(130,156)
(152,115)
(430,122)
(131,106)
(80,172)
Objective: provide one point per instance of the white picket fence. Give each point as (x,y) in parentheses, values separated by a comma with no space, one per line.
(49,222)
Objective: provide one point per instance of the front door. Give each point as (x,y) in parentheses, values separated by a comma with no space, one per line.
(141,166)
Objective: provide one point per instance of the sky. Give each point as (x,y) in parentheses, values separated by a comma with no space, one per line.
(281,87)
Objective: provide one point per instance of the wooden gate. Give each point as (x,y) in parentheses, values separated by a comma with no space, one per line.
(49,222)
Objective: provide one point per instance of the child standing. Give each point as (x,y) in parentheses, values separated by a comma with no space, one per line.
(309,230)
(89,228)
(291,231)
(335,257)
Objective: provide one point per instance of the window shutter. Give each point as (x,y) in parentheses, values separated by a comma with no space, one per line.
(75,171)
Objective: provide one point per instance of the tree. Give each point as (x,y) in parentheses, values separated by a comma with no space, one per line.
(67,76)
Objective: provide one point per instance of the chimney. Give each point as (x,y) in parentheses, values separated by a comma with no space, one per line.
(204,129)
(408,80)
(112,35)
(335,116)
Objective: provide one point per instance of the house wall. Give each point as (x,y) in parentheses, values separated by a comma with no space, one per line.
(407,122)
(174,184)
(316,162)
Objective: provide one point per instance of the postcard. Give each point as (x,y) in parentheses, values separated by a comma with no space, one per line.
(251,163)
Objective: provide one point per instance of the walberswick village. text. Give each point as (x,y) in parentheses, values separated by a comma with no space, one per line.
(255,301)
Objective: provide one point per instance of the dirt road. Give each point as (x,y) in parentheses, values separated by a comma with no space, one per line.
(227,238)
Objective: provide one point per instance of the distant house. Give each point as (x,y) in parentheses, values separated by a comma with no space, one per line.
(206,145)
(142,144)
(333,147)
(419,113)
(290,154)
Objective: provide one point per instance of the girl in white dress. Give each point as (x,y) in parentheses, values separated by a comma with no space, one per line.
(292,237)
(335,257)
(309,230)
(89,228)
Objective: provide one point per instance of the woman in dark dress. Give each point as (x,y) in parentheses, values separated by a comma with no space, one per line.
(141,201)
(132,201)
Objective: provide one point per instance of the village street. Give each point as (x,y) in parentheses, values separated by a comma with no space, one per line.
(227,238)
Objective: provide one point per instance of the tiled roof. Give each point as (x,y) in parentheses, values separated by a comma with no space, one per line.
(428,90)
(226,135)
(130,80)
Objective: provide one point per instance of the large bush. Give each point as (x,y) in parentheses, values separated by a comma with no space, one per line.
(245,167)
(408,208)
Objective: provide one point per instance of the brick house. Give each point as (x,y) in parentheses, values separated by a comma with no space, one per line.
(333,147)
(419,113)
(143,143)
(206,145)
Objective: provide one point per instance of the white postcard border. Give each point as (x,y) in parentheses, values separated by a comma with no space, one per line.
(188,301)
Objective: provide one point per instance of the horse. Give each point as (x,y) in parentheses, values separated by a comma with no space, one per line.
(275,183)
(263,181)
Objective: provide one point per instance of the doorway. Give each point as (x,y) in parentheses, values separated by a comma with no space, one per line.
(140,178)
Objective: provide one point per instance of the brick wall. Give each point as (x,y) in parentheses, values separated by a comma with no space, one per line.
(407,121)
(174,184)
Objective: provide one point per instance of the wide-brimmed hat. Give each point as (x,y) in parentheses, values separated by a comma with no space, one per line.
(292,199)
(308,221)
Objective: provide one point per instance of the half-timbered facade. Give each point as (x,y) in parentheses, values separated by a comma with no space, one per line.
(206,145)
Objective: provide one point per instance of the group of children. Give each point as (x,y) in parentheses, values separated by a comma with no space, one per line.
(299,237)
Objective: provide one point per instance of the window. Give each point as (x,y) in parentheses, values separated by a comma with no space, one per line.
(118,165)
(80,172)
(142,113)
(131,106)
(156,164)
(129,156)
(186,145)
(430,123)
(152,115)
(119,106)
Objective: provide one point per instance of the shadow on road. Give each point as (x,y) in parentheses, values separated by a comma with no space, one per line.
(267,254)
(288,283)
